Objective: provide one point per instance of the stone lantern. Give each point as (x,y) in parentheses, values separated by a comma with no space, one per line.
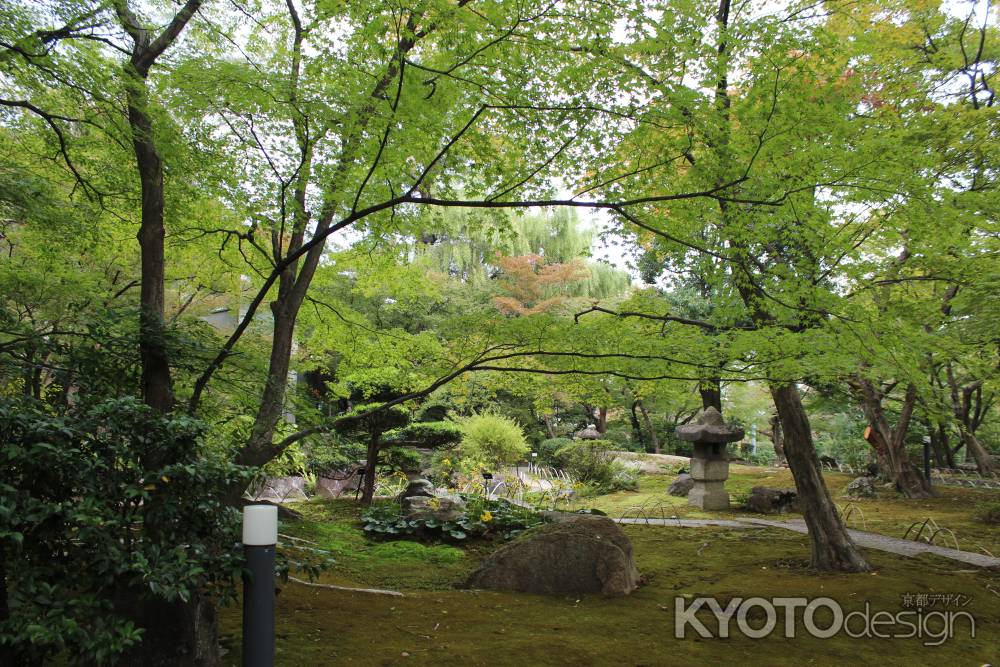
(709,463)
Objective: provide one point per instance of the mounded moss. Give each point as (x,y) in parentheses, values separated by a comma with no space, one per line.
(436,624)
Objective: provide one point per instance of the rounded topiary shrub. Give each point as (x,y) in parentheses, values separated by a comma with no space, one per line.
(492,439)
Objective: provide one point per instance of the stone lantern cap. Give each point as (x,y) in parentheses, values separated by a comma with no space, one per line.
(709,428)
(589,433)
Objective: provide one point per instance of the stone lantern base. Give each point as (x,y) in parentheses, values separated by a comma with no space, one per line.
(709,496)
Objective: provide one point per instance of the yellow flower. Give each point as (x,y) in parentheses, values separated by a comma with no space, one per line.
(486,516)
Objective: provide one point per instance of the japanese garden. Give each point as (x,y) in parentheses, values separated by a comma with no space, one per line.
(499,332)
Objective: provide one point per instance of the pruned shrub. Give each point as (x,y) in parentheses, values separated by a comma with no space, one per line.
(547,449)
(492,440)
(989,513)
(593,463)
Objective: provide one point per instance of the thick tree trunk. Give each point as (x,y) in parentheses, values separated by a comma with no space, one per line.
(711,394)
(975,449)
(177,633)
(942,453)
(371,465)
(832,547)
(157,389)
(259,449)
(602,420)
(653,440)
(890,443)
(636,428)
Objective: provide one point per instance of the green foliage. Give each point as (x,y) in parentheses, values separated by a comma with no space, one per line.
(372,418)
(427,434)
(492,439)
(104,500)
(989,513)
(482,518)
(593,463)
(399,459)
(547,449)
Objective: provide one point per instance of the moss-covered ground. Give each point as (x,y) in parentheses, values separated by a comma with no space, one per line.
(438,624)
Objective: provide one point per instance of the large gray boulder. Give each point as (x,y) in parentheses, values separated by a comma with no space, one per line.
(282,489)
(335,486)
(764,500)
(681,486)
(862,487)
(578,554)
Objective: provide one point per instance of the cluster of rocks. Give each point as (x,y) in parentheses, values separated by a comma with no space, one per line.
(420,500)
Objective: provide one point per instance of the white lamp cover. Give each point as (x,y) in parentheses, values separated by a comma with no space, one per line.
(260,525)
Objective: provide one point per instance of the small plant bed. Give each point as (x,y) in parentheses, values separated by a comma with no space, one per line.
(482,519)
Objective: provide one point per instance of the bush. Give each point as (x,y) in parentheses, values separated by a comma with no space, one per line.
(592,462)
(492,440)
(110,501)
(547,449)
(989,513)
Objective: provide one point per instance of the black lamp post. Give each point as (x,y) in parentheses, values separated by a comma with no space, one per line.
(260,535)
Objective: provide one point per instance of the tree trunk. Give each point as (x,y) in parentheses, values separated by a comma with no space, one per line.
(636,428)
(176,632)
(259,448)
(157,390)
(549,431)
(778,438)
(940,452)
(975,449)
(711,394)
(653,440)
(368,489)
(832,547)
(890,443)
(602,420)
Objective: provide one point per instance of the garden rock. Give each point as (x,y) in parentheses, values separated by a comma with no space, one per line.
(578,554)
(418,488)
(282,489)
(681,486)
(335,486)
(764,500)
(862,487)
(441,508)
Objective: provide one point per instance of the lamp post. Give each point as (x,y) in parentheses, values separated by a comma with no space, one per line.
(260,535)
(927,458)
